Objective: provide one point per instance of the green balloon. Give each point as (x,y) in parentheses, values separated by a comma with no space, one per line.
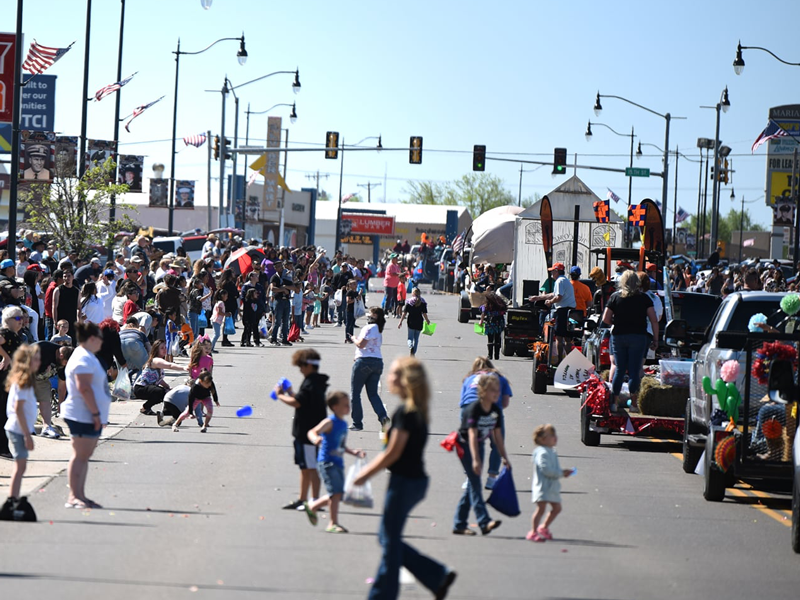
(722,395)
(734,400)
(707,386)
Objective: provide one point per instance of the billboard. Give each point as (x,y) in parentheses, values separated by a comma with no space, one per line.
(184,194)
(159,190)
(779,153)
(130,171)
(36,158)
(370,224)
(7,55)
(269,200)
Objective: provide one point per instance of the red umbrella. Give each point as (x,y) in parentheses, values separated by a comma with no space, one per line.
(241,262)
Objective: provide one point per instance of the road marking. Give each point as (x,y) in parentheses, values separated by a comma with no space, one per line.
(767,511)
(784,517)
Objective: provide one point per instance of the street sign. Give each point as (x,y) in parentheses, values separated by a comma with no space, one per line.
(636,172)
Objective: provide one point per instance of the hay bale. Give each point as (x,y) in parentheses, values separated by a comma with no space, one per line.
(661,400)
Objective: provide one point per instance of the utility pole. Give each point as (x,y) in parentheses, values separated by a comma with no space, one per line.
(369,185)
(315,178)
(208,179)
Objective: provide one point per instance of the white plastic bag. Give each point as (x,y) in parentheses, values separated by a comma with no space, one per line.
(337,298)
(359,310)
(122,389)
(357,495)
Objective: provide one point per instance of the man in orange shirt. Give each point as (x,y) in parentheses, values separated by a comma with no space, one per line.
(583,295)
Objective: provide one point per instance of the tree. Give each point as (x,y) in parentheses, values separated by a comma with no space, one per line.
(75,212)
(478,192)
(531,200)
(727,224)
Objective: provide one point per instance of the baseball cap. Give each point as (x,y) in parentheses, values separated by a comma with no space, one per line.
(109,272)
(576,270)
(6,263)
(651,267)
(624,264)
(558,267)
(95,260)
(34,267)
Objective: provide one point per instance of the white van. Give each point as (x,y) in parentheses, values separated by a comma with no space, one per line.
(193,245)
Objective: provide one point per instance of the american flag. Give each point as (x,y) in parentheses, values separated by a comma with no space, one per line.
(771,131)
(139,110)
(681,215)
(348,197)
(111,88)
(40,58)
(749,242)
(612,196)
(195,140)
(458,243)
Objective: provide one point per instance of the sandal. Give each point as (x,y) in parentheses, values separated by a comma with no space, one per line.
(336,528)
(544,533)
(465,531)
(490,526)
(74,504)
(532,536)
(312,516)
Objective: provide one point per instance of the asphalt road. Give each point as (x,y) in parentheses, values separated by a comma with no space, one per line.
(198,515)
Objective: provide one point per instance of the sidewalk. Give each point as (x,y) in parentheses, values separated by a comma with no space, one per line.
(50,457)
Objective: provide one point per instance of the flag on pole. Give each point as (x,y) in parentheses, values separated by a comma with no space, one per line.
(348,197)
(111,88)
(612,196)
(40,58)
(749,242)
(636,214)
(681,215)
(771,131)
(458,243)
(139,110)
(195,140)
(601,208)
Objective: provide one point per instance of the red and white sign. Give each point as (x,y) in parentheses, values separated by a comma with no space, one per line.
(370,224)
(7,55)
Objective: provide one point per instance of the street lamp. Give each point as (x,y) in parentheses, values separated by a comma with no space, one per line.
(588,135)
(242,57)
(598,108)
(248,112)
(738,63)
(723,105)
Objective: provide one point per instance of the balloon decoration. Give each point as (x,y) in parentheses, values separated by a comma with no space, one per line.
(769,352)
(790,304)
(725,389)
(772,429)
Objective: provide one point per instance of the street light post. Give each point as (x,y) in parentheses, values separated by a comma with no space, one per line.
(723,105)
(379,147)
(738,63)
(630,179)
(242,57)
(248,112)
(667,117)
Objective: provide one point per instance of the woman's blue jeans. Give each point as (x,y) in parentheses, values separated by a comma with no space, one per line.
(217,331)
(413,339)
(366,373)
(629,353)
(473,494)
(193,320)
(402,495)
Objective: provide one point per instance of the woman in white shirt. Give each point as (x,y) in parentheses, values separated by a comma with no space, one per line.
(92,308)
(367,369)
(85,410)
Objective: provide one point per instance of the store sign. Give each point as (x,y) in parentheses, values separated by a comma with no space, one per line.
(356,239)
(269,199)
(371,224)
(779,153)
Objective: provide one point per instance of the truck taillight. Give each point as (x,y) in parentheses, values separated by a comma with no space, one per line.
(605,356)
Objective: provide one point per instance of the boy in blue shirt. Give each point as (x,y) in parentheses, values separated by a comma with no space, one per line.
(330,436)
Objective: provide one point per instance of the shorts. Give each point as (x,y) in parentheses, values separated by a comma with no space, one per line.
(562,322)
(16,443)
(305,455)
(43,390)
(333,477)
(207,404)
(83,430)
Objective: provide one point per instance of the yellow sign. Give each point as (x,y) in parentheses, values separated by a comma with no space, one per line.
(780,189)
(356,239)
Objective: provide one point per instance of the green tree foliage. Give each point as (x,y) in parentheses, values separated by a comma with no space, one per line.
(478,192)
(75,212)
(727,224)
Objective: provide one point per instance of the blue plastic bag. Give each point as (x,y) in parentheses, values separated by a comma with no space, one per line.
(202,320)
(504,495)
(229,328)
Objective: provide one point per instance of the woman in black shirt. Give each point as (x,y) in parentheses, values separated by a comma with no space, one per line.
(407,485)
(416,309)
(628,310)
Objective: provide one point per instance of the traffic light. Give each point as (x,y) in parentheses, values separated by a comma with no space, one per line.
(559,161)
(479,158)
(332,145)
(723,176)
(216,147)
(226,143)
(415,150)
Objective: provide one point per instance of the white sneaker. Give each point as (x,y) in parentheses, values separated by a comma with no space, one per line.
(309,327)
(50,432)
(465,485)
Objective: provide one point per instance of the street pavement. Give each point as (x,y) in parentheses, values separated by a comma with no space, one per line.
(191,515)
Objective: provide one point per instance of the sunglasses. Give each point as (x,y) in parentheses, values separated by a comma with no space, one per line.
(17,318)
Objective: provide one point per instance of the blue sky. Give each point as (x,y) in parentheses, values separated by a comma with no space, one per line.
(515,76)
